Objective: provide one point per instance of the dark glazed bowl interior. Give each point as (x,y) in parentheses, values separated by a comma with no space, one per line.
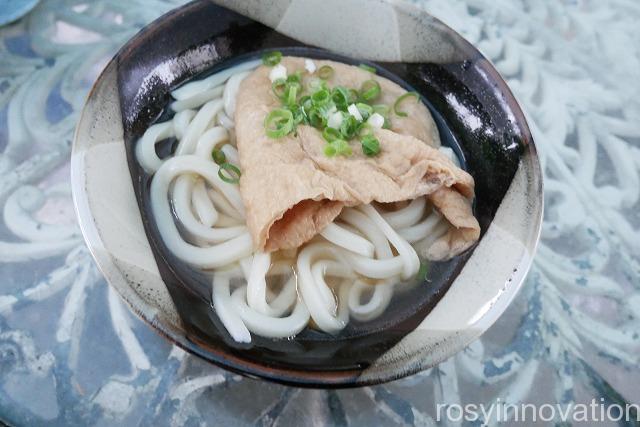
(475,113)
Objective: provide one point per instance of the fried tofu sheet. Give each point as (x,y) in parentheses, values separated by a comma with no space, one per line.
(291,190)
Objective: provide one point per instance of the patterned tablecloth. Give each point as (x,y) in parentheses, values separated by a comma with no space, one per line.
(72,354)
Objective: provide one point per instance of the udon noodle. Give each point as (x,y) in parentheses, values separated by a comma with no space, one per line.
(349,271)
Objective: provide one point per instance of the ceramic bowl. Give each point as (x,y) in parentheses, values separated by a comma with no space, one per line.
(472,105)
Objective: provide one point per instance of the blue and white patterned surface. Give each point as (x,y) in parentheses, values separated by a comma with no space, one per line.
(72,354)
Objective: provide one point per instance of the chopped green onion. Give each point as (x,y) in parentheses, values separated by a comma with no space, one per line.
(218,156)
(299,113)
(354,96)
(291,94)
(295,77)
(349,127)
(278,87)
(314,84)
(342,147)
(340,97)
(322,107)
(339,147)
(325,72)
(369,90)
(329,150)
(321,97)
(364,129)
(316,118)
(370,145)
(305,102)
(271,58)
(386,124)
(330,134)
(366,110)
(327,109)
(368,68)
(402,98)
(278,123)
(381,109)
(232,175)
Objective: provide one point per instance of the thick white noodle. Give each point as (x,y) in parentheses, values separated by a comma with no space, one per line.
(381,294)
(197,126)
(209,140)
(311,291)
(225,121)
(438,231)
(209,257)
(231,154)
(195,87)
(221,297)
(281,302)
(181,121)
(224,206)
(228,221)
(231,91)
(256,269)
(182,196)
(348,240)
(407,216)
(183,191)
(257,283)
(197,100)
(349,271)
(146,147)
(329,268)
(266,326)
(203,205)
(426,227)
(386,266)
(406,252)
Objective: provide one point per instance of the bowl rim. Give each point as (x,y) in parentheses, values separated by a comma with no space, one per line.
(292,376)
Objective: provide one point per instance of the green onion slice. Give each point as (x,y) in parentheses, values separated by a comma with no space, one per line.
(321,97)
(339,147)
(330,134)
(271,58)
(369,90)
(295,77)
(364,129)
(218,156)
(314,84)
(402,98)
(278,123)
(291,94)
(368,68)
(316,118)
(305,102)
(278,87)
(325,72)
(340,97)
(354,96)
(299,114)
(349,127)
(229,173)
(329,150)
(342,147)
(381,109)
(366,110)
(370,145)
